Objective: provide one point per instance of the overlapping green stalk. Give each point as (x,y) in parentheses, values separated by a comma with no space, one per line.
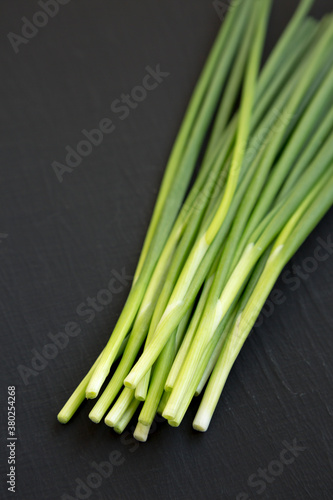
(211,258)
(178,175)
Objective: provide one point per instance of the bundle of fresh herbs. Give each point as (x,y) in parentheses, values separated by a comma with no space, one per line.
(212,256)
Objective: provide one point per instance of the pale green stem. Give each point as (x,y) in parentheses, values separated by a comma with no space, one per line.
(126,416)
(77,397)
(202,245)
(119,407)
(215,311)
(141,432)
(292,236)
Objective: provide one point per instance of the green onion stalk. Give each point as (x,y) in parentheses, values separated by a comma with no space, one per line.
(211,257)
(174,186)
(257,244)
(309,213)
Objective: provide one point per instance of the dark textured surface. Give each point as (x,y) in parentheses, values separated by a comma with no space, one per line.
(65,239)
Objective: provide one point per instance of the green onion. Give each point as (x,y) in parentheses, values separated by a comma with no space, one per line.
(264,179)
(258,242)
(309,214)
(174,188)
(201,246)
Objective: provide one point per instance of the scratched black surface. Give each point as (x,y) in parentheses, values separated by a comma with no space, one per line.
(64,240)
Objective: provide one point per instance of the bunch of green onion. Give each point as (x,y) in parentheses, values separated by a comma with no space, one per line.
(263,139)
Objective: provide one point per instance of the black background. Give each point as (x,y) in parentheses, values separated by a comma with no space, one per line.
(64,239)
